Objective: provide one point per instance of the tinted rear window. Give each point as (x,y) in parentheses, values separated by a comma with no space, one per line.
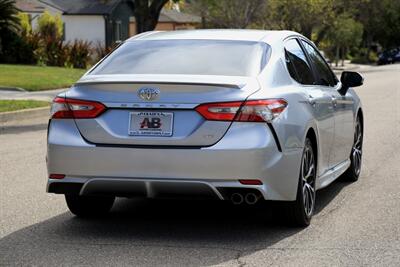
(192,57)
(297,63)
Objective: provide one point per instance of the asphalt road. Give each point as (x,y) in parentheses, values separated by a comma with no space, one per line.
(355,224)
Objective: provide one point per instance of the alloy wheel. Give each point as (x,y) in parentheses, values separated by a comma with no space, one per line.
(356,152)
(308,180)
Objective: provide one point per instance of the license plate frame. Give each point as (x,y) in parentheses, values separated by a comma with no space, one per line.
(144,123)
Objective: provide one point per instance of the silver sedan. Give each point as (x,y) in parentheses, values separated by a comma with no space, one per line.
(238,115)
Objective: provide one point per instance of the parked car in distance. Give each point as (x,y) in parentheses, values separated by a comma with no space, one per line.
(238,115)
(389,56)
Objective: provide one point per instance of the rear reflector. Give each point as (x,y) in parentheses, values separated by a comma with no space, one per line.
(65,108)
(56,176)
(250,182)
(252,110)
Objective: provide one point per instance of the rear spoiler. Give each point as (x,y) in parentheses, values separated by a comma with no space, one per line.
(237,82)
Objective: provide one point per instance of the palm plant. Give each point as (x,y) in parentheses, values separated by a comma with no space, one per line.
(8,15)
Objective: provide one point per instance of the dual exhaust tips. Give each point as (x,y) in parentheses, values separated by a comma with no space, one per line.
(248,198)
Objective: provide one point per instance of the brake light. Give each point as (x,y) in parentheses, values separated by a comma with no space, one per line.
(56,176)
(65,108)
(252,110)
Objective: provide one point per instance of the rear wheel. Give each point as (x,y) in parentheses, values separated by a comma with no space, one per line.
(300,212)
(353,172)
(89,206)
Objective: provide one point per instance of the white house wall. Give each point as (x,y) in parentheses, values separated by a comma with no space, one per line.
(84,27)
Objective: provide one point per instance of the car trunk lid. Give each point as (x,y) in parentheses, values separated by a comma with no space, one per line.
(131,120)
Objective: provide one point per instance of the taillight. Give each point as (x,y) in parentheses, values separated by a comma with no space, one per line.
(252,110)
(65,108)
(56,176)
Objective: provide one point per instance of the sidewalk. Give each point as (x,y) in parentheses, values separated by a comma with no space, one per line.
(351,67)
(39,95)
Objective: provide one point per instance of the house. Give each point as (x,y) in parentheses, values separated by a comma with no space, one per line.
(97,21)
(170,20)
(101,21)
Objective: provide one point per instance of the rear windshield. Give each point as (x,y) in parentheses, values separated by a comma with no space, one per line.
(192,57)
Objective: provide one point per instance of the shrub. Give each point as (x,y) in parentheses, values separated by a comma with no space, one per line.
(25,24)
(49,25)
(51,50)
(79,54)
(16,49)
(361,56)
(101,50)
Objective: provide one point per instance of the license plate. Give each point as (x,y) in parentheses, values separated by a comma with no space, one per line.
(148,123)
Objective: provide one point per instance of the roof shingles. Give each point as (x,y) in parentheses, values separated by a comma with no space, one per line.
(87,7)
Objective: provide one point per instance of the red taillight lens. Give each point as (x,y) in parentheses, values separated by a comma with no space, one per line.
(219,111)
(65,108)
(250,182)
(253,110)
(56,176)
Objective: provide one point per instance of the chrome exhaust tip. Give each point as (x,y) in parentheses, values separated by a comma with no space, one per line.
(237,198)
(251,198)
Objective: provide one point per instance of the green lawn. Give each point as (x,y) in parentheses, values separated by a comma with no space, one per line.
(12,105)
(34,78)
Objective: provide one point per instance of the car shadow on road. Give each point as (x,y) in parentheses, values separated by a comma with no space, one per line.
(154,232)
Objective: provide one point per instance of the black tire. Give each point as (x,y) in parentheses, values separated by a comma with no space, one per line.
(89,206)
(300,211)
(353,172)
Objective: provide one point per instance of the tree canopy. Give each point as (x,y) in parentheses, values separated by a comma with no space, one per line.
(335,24)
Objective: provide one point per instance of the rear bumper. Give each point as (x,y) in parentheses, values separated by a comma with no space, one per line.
(247,151)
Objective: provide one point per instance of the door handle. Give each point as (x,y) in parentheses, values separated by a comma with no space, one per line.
(311,100)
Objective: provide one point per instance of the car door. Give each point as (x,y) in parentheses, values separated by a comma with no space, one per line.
(318,100)
(342,106)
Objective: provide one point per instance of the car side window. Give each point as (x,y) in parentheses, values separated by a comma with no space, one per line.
(325,75)
(297,63)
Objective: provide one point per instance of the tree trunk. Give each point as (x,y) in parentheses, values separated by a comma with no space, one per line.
(337,56)
(203,20)
(146,14)
(343,56)
(321,35)
(307,32)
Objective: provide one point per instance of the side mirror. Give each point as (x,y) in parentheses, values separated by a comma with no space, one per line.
(350,79)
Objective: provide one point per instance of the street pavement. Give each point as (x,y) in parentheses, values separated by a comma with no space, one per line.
(356,224)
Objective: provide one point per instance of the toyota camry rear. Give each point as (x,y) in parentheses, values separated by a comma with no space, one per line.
(178,115)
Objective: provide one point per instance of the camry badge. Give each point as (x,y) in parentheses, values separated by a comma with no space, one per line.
(148,94)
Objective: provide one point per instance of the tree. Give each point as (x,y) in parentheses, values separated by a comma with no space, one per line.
(9,22)
(147,13)
(237,14)
(8,15)
(303,16)
(381,20)
(345,33)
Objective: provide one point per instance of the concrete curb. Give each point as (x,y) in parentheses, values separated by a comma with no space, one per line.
(24,114)
(14,89)
(345,69)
